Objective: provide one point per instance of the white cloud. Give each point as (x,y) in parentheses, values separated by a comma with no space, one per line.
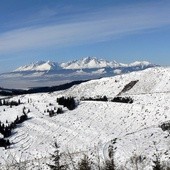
(101,26)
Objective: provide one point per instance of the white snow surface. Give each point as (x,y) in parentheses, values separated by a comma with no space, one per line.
(93,124)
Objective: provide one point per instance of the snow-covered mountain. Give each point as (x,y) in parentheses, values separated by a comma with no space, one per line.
(85,63)
(39,66)
(89,62)
(93,62)
(138,132)
(52,73)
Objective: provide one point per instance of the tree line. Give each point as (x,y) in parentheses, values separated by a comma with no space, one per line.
(10,103)
(105,99)
(68,102)
(6,130)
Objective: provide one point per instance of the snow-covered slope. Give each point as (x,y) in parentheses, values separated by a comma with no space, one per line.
(94,125)
(149,82)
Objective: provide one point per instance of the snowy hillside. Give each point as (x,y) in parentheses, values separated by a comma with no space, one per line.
(149,82)
(133,129)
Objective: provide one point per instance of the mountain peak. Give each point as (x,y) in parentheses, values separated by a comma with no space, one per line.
(39,66)
(89,62)
(84,63)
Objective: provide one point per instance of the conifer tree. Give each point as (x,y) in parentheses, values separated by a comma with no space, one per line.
(84,164)
(56,159)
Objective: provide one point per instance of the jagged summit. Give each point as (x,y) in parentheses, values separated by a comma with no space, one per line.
(40,66)
(89,62)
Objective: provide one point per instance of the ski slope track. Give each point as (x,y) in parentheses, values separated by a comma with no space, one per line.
(94,125)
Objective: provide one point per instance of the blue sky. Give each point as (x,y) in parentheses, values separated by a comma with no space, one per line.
(62,30)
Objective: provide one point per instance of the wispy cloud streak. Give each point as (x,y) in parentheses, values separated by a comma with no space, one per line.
(96,27)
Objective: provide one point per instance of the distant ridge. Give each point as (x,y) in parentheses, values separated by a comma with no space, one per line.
(13,92)
(89,62)
(40,66)
(48,73)
(85,63)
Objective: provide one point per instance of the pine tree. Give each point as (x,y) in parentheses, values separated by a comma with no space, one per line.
(157,164)
(110,164)
(56,159)
(84,164)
